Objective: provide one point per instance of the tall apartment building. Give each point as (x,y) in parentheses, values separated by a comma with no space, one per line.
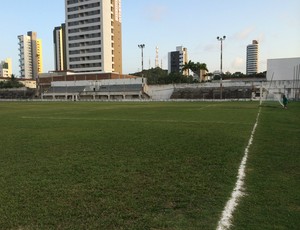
(177,60)
(30,55)
(252,58)
(94,35)
(6,68)
(59,41)
(39,56)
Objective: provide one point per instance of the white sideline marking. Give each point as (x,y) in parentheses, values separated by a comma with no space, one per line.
(238,191)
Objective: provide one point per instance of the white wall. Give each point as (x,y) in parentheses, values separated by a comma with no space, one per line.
(164,92)
(160,92)
(282,69)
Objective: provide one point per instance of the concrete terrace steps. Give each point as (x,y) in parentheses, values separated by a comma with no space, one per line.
(212,92)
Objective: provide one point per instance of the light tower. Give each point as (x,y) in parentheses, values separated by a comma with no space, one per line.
(221,63)
(142,46)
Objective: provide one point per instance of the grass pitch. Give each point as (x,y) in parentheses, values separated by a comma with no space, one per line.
(157,165)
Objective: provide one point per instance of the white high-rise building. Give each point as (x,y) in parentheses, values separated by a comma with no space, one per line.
(252,58)
(93,35)
(30,55)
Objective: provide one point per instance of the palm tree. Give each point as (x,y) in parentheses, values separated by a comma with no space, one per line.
(188,66)
(198,68)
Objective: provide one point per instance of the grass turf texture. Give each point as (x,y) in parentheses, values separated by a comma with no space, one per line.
(133,165)
(272,181)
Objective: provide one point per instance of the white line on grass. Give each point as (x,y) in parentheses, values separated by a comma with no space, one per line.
(238,192)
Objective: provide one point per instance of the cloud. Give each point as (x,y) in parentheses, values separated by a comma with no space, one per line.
(244,34)
(155,12)
(238,64)
(209,47)
(261,38)
(258,37)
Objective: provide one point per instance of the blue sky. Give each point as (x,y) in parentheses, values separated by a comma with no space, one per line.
(194,24)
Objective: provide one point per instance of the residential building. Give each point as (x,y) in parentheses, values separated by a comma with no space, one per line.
(177,59)
(6,68)
(59,40)
(39,56)
(252,58)
(30,55)
(94,35)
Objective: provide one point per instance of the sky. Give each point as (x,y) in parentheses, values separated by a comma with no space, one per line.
(194,24)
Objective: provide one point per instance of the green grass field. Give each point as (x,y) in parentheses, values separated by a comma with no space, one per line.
(146,165)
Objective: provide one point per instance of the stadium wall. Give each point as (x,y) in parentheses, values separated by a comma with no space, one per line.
(164,92)
(45,80)
(282,68)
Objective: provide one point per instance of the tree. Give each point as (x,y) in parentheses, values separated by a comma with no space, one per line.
(158,76)
(258,75)
(238,75)
(179,78)
(198,68)
(11,83)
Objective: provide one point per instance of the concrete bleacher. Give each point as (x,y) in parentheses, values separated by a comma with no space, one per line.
(103,88)
(115,91)
(95,92)
(212,93)
(68,89)
(18,93)
(119,88)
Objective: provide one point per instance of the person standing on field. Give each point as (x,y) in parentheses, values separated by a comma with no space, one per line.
(284,101)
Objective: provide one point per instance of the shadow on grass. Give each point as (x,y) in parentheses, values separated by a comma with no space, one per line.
(270,106)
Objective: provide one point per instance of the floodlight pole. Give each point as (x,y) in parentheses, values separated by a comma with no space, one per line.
(142,46)
(221,63)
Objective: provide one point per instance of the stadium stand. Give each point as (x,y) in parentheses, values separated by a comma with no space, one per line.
(18,93)
(212,93)
(96,92)
(69,89)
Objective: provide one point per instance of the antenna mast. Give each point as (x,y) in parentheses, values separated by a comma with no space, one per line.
(156,58)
